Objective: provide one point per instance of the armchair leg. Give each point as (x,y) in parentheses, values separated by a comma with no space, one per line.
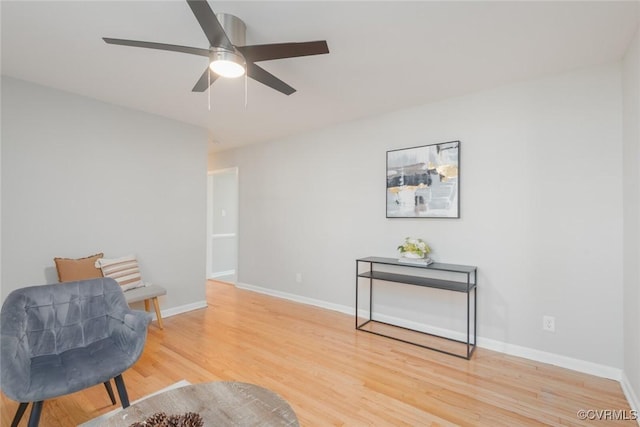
(122,391)
(19,413)
(36,410)
(107,385)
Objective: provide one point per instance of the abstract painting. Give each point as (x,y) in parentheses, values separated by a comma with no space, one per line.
(424,182)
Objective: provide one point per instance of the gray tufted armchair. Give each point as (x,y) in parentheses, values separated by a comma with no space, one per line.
(61,338)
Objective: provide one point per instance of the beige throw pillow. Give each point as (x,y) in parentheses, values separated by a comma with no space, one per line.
(123,270)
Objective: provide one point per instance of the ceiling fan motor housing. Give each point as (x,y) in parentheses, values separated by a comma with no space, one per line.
(234,28)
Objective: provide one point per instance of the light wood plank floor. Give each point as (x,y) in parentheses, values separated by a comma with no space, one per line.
(334,375)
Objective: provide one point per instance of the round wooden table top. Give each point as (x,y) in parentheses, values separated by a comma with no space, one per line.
(220,403)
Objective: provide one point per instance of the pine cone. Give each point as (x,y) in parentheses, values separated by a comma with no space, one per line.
(160,419)
(173,421)
(191,419)
(156,419)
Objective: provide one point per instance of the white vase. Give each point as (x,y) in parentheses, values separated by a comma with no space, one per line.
(412,255)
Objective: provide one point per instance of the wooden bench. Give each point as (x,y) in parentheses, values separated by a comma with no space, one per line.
(146,294)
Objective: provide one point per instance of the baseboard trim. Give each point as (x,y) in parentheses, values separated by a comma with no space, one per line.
(222,274)
(631,396)
(297,298)
(579,365)
(168,312)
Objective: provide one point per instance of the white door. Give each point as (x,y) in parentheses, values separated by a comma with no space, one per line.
(222,225)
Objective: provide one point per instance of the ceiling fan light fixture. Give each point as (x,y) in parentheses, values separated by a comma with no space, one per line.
(227,64)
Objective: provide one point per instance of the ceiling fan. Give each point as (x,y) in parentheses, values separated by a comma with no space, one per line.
(228,55)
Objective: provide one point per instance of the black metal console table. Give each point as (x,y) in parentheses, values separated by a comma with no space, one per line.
(467,286)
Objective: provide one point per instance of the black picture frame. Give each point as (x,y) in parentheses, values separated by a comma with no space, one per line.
(424,181)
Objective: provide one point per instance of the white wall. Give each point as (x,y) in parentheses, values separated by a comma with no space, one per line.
(631,151)
(1,294)
(541,211)
(80,176)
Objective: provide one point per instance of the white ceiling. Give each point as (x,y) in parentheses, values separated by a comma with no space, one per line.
(384,55)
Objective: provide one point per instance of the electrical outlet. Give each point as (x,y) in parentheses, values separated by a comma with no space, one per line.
(549,323)
(298,277)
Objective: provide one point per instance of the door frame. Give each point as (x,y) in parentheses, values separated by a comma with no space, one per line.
(210,217)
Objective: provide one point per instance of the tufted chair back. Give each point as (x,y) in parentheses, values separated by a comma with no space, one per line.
(54,319)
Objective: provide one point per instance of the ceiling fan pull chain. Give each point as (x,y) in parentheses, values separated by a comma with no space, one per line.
(245,91)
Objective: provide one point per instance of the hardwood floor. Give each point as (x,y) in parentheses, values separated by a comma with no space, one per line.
(332,374)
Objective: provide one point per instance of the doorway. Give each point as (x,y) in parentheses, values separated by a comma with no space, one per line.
(222,225)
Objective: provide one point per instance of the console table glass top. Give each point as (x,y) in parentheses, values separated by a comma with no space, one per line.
(455,268)
(429,282)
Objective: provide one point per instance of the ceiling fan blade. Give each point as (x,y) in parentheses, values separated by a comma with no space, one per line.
(266,78)
(210,25)
(160,46)
(205,81)
(265,52)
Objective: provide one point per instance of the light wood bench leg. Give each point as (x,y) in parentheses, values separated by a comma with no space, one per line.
(156,305)
(146,294)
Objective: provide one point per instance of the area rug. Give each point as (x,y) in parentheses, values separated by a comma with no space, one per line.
(98,420)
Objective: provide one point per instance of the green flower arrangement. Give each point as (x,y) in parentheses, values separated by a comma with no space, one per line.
(414,248)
